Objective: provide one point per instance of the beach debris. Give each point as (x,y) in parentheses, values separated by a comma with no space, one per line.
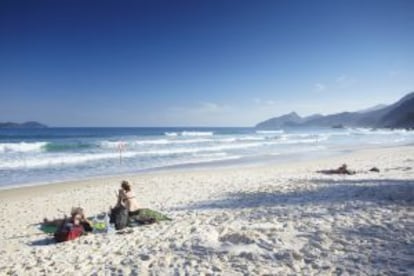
(374,169)
(340,170)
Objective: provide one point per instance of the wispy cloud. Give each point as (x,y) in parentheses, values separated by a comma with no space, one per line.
(341,78)
(201,108)
(342,81)
(345,80)
(394,73)
(319,87)
(198,114)
(207,107)
(263,102)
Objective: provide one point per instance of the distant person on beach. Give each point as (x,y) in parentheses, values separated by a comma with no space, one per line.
(126,198)
(341,170)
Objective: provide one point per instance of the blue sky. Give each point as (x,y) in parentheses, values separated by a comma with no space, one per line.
(200,63)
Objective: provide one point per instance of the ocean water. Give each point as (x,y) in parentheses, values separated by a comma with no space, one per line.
(33,156)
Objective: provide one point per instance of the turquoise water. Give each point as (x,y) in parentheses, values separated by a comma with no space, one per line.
(30,156)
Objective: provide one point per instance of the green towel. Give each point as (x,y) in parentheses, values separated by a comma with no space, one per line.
(48,228)
(146,215)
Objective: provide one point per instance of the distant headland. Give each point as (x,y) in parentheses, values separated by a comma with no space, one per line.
(30,124)
(397,115)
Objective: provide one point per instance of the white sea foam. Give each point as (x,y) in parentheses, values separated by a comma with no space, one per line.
(339,133)
(59,160)
(197,133)
(199,149)
(189,133)
(218,149)
(215,154)
(153,142)
(181,146)
(290,141)
(380,131)
(134,143)
(74,159)
(244,138)
(243,141)
(22,147)
(300,135)
(299,138)
(304,141)
(208,158)
(112,144)
(280,131)
(77,158)
(167,142)
(212,158)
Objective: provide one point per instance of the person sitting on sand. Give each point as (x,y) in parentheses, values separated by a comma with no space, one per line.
(126,198)
(128,212)
(341,170)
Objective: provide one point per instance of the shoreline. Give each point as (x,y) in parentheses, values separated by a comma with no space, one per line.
(183,170)
(201,167)
(60,157)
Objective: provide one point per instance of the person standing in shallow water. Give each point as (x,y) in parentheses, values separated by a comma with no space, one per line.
(126,198)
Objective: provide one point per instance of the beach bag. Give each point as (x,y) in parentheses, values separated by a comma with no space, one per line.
(119,217)
(68,231)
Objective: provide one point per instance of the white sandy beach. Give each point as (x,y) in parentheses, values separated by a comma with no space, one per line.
(268,220)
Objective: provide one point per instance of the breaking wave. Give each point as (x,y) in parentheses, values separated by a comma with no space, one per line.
(189,133)
(22,147)
(280,131)
(97,152)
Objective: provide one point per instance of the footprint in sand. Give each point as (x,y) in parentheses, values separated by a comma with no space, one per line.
(236,238)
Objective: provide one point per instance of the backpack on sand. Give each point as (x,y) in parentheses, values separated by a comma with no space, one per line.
(119,217)
(68,231)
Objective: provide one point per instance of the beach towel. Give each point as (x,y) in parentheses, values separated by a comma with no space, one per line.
(146,216)
(48,228)
(140,217)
